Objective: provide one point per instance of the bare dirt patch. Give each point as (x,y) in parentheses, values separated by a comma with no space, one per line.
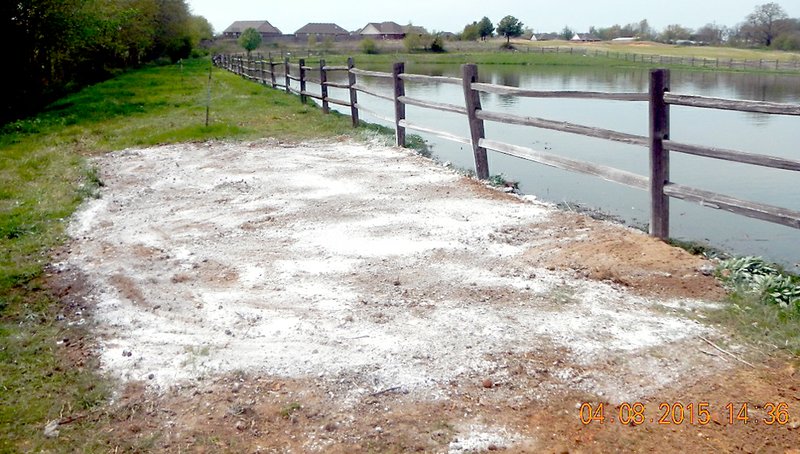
(343,297)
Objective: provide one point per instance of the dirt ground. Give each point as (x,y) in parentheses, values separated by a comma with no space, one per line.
(342,297)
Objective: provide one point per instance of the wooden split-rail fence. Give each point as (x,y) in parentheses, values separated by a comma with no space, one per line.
(658,142)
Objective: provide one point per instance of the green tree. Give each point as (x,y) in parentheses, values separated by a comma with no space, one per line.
(70,43)
(567,33)
(471,32)
(485,28)
(201,29)
(173,30)
(510,27)
(250,39)
(766,20)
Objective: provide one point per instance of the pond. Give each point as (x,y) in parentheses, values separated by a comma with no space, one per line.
(755,133)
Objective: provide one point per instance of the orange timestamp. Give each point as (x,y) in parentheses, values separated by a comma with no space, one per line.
(677,413)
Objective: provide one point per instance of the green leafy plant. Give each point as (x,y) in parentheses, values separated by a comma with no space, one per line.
(500,181)
(754,276)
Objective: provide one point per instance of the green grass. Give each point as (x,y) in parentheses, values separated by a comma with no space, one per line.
(764,325)
(44,175)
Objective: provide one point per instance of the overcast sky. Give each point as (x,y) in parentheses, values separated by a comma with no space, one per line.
(449,15)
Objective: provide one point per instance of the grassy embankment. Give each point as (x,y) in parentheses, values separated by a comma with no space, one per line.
(44,175)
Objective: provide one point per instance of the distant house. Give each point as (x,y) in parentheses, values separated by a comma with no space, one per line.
(624,39)
(383,30)
(545,36)
(321,31)
(264,27)
(585,38)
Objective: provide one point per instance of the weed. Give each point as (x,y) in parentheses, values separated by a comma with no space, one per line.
(500,181)
(289,410)
(91,184)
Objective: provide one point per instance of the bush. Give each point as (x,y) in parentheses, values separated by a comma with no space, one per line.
(437,45)
(368,46)
(787,41)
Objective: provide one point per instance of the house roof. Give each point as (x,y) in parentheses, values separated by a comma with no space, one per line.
(322,29)
(384,28)
(261,26)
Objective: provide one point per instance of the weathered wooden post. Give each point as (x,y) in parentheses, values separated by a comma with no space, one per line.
(659,157)
(263,78)
(303,97)
(351,84)
(272,71)
(473,104)
(323,86)
(399,108)
(286,73)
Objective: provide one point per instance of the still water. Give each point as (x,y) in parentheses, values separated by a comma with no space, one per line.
(755,133)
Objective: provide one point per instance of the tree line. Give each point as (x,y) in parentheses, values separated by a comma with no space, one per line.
(54,46)
(768,25)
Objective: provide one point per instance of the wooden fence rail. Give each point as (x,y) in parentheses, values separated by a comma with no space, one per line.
(658,140)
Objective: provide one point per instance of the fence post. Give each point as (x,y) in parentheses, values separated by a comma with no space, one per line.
(472,101)
(263,72)
(351,83)
(272,71)
(399,108)
(286,72)
(659,157)
(303,97)
(323,85)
